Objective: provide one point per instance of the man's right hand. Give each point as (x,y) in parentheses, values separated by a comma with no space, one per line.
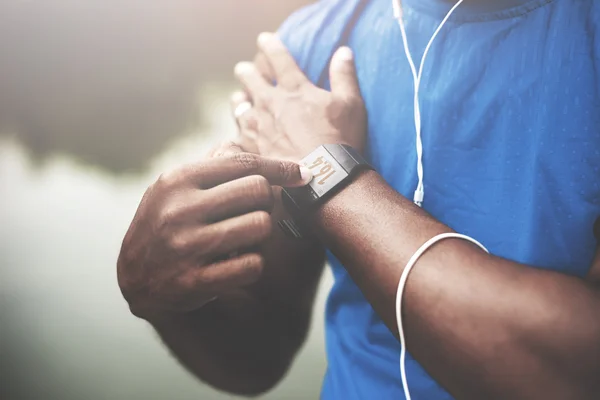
(192,235)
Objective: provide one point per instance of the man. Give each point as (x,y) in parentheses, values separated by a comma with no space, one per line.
(511,138)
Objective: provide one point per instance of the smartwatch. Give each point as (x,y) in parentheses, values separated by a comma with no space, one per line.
(333,166)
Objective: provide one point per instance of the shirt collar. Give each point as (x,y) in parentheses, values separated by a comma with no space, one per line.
(475,9)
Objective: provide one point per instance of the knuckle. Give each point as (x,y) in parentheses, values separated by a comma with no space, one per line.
(178,243)
(226,148)
(204,279)
(260,189)
(186,282)
(253,264)
(166,217)
(286,171)
(137,295)
(171,178)
(162,181)
(166,179)
(246,161)
(231,145)
(261,224)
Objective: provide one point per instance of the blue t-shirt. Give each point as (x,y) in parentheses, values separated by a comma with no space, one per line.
(510,102)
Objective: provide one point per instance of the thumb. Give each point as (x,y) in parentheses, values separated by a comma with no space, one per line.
(342,74)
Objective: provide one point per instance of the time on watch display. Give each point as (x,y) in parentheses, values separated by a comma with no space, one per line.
(327,172)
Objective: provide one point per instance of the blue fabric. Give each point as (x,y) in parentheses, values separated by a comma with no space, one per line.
(511,134)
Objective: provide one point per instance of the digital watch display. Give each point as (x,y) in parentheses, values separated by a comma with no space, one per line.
(332,165)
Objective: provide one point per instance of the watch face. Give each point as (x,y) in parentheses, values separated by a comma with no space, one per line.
(326,171)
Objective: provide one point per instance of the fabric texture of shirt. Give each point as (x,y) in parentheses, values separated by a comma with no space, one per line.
(510,103)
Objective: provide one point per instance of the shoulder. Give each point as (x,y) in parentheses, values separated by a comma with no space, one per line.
(312,33)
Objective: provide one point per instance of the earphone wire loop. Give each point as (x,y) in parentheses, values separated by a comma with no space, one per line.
(400,291)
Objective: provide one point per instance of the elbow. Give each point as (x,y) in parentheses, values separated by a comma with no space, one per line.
(563,348)
(586,350)
(580,369)
(589,375)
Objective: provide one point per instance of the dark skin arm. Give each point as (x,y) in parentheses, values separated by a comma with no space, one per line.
(177,255)
(245,341)
(484,327)
(174,257)
(477,323)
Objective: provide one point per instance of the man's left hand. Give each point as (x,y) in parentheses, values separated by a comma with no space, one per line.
(284,115)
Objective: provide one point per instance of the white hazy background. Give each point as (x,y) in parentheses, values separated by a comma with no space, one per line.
(65,331)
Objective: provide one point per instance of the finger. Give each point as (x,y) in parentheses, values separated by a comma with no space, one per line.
(257,88)
(225,275)
(263,66)
(248,123)
(238,197)
(237,100)
(241,110)
(287,73)
(223,237)
(224,169)
(242,196)
(342,74)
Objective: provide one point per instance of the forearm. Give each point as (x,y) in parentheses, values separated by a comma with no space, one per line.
(478,323)
(233,344)
(244,341)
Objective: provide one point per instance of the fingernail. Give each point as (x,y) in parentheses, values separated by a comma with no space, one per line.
(242,67)
(344,54)
(264,38)
(306,175)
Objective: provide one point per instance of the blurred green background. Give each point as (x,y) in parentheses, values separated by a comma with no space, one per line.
(97,97)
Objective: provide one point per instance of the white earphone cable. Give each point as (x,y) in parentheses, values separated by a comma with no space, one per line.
(400,293)
(420,190)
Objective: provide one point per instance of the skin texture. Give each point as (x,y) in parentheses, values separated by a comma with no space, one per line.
(177,254)
(483,326)
(294,117)
(478,323)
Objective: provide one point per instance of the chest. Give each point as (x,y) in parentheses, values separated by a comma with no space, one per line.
(510,111)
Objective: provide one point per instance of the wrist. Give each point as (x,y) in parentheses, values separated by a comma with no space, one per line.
(334,166)
(362,181)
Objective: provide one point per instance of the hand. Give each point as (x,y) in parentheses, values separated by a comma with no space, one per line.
(177,253)
(290,119)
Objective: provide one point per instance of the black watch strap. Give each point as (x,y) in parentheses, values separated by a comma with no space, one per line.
(333,166)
